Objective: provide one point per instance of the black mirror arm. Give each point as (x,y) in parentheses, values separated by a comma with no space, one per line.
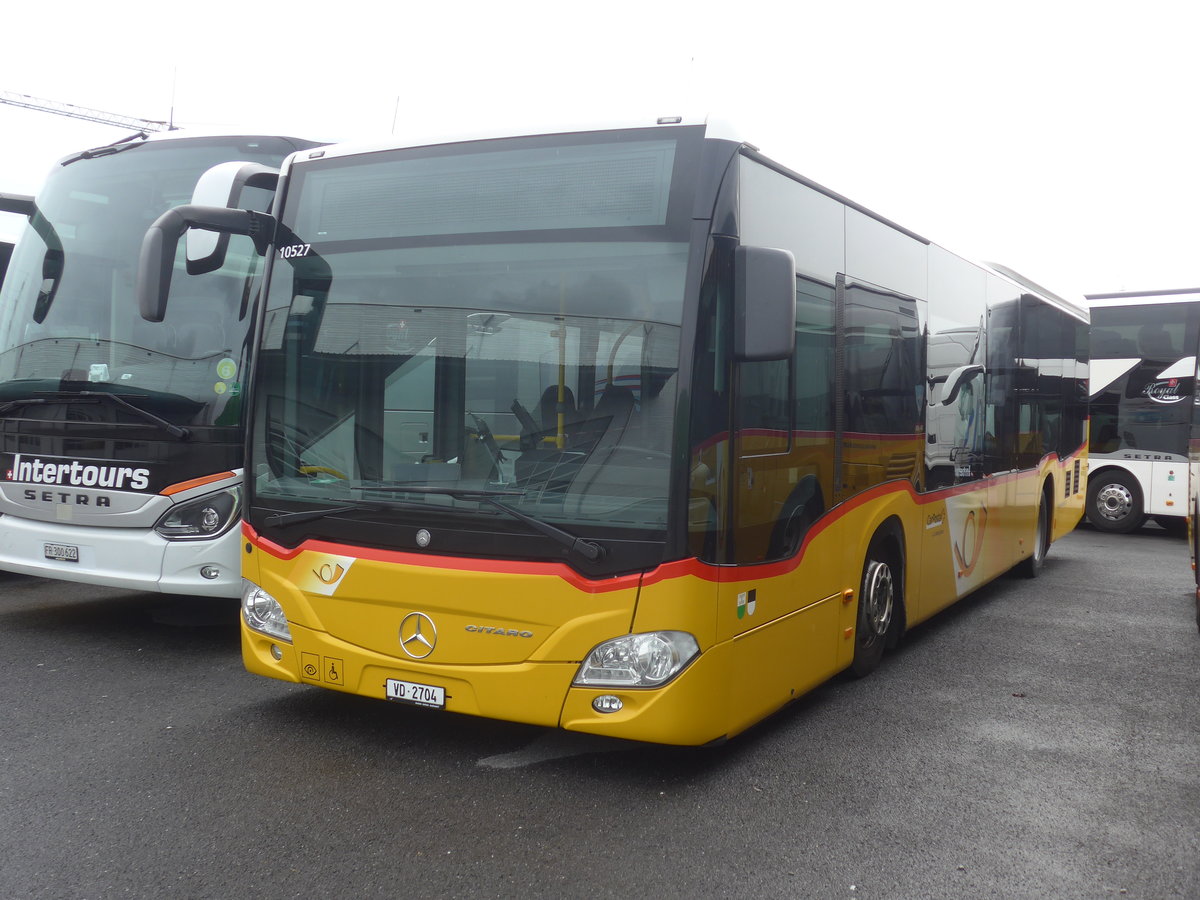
(162,238)
(21,204)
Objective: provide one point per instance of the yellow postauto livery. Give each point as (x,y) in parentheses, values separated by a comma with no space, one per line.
(631,432)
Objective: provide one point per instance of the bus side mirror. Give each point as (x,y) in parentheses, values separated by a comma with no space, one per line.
(222,186)
(764,304)
(157,257)
(52,262)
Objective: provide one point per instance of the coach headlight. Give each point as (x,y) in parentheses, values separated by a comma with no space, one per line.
(638,660)
(263,613)
(204,517)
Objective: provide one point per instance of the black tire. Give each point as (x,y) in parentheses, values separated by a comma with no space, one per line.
(1114,503)
(1031,566)
(878,602)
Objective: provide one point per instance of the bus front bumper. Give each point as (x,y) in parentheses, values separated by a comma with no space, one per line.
(137,559)
(688,710)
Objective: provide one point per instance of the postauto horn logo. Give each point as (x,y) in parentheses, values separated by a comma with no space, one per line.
(77,474)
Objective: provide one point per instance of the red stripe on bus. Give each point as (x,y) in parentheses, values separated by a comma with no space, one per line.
(675,569)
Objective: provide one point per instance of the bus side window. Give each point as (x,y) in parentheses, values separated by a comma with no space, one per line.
(884,381)
(810,473)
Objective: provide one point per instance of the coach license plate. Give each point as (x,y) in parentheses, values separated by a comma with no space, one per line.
(62,552)
(417,694)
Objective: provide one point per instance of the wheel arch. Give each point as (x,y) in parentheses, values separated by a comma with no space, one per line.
(1103,470)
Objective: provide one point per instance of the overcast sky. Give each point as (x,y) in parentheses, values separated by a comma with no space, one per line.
(1057,137)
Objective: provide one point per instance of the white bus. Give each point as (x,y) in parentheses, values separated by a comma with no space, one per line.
(121,439)
(1142,387)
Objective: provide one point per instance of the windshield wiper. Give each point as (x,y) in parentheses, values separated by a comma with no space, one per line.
(170,427)
(589,550)
(309,515)
(123,144)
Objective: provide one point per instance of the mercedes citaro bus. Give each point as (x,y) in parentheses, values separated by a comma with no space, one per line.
(634,432)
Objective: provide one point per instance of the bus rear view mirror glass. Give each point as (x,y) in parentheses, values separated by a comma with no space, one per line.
(222,185)
(764,298)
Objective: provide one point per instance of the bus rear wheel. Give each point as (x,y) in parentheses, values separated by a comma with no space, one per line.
(877,603)
(1114,503)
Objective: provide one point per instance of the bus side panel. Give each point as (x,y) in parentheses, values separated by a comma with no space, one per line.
(965,538)
(1009,518)
(1070,492)
(1168,489)
(934,585)
(783,659)
(955,541)
(785,624)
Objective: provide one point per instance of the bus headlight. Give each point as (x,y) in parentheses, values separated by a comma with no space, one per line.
(638,660)
(263,613)
(204,517)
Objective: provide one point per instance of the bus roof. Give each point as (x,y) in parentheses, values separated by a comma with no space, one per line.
(715,129)
(1139,298)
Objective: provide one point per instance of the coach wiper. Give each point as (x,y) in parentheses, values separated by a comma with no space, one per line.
(589,550)
(170,427)
(120,146)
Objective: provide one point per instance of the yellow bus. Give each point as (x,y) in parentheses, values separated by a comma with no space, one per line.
(631,432)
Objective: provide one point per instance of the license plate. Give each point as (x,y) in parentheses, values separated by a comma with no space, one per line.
(417,694)
(63,552)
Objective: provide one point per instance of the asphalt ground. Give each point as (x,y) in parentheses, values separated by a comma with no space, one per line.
(1039,739)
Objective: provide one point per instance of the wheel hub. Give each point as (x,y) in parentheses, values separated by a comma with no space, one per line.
(1114,502)
(880,598)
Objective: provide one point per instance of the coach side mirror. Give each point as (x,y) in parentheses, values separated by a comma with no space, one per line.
(52,262)
(764,304)
(222,186)
(157,257)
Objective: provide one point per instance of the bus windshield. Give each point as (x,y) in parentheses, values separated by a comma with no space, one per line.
(67,321)
(503,321)
(1143,377)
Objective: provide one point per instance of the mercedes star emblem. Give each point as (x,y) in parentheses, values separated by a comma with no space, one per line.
(418,635)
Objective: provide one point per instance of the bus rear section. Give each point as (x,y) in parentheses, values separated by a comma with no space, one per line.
(120,438)
(632,432)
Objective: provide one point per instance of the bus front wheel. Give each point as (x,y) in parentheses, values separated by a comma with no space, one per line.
(1114,503)
(877,604)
